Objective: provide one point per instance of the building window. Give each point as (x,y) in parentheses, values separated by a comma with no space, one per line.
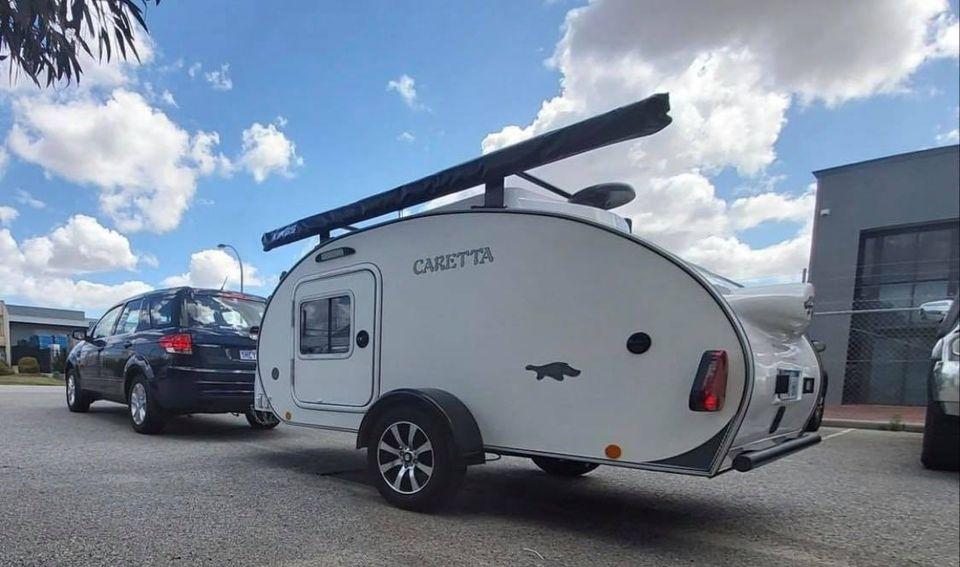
(325,325)
(889,346)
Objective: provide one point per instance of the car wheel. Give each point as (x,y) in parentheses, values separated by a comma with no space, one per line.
(941,439)
(413,460)
(145,415)
(261,419)
(813,424)
(77,400)
(564,467)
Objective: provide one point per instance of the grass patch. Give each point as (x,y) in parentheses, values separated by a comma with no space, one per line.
(30,380)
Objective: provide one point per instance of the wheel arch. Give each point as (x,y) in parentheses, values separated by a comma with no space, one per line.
(135,367)
(443,404)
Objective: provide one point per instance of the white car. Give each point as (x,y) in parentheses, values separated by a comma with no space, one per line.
(941,432)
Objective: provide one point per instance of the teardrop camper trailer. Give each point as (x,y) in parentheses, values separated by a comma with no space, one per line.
(525,324)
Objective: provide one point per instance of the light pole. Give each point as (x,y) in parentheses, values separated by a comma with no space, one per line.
(239,261)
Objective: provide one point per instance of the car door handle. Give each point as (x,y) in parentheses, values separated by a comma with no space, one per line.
(127,344)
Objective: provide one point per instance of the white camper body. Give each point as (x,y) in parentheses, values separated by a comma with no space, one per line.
(539,328)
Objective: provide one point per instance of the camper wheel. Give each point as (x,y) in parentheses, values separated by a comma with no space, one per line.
(563,467)
(413,459)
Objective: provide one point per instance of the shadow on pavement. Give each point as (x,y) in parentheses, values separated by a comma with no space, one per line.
(195,427)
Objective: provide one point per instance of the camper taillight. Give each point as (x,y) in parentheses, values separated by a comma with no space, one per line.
(710,387)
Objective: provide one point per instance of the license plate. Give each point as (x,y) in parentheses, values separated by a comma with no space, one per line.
(248,355)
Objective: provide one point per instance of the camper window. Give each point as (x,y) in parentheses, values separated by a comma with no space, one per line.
(325,325)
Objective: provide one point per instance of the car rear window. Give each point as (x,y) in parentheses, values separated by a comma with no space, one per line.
(224,311)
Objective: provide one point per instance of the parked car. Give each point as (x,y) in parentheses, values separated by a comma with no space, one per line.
(519,323)
(169,352)
(941,430)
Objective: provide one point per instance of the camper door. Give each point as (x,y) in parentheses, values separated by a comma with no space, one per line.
(334,319)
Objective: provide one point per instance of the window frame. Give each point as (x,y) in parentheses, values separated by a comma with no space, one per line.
(93,334)
(123,314)
(299,327)
(174,319)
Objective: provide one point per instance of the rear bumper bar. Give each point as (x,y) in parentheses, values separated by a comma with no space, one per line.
(749,460)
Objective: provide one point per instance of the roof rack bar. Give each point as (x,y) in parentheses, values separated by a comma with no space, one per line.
(641,118)
(541,183)
(493,194)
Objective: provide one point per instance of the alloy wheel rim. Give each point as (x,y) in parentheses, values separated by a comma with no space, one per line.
(405,457)
(138,404)
(71,390)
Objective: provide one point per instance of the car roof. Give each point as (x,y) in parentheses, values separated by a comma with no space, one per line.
(185,289)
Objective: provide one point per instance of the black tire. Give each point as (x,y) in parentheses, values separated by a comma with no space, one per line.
(564,467)
(816,418)
(432,456)
(261,420)
(152,418)
(77,400)
(941,439)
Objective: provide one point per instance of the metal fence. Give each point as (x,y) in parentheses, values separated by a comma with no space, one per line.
(888,355)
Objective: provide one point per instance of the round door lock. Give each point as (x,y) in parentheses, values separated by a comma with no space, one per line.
(638,343)
(363,339)
(275,373)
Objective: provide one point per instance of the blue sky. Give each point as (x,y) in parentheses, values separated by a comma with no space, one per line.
(309,85)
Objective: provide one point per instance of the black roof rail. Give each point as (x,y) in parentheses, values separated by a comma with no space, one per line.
(635,120)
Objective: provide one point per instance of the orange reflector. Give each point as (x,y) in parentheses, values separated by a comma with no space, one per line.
(287,416)
(613,451)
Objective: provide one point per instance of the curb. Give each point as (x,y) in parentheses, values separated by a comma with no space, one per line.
(875,425)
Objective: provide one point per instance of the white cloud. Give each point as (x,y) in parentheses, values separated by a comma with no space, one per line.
(39,270)
(406,137)
(951,137)
(82,245)
(406,87)
(220,79)
(149,260)
(750,212)
(25,198)
(202,149)
(267,150)
(167,97)
(194,69)
(8,214)
(4,160)
(144,165)
(732,71)
(210,268)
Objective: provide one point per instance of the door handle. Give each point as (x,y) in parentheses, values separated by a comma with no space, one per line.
(363,339)
(127,344)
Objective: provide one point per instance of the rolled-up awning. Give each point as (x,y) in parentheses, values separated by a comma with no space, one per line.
(641,118)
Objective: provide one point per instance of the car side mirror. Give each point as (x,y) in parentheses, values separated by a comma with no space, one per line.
(79,334)
(818,346)
(254,330)
(935,310)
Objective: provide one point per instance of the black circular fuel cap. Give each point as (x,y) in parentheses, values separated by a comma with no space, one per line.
(638,343)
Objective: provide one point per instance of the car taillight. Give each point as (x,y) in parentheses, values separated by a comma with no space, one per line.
(181,343)
(710,386)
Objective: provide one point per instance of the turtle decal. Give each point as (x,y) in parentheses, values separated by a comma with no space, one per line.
(556,370)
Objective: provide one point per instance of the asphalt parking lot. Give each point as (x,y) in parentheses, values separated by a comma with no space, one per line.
(85,489)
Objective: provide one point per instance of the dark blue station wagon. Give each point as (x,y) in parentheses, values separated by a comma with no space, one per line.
(171,352)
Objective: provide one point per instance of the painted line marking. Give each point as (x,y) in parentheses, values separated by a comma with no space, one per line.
(838,433)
